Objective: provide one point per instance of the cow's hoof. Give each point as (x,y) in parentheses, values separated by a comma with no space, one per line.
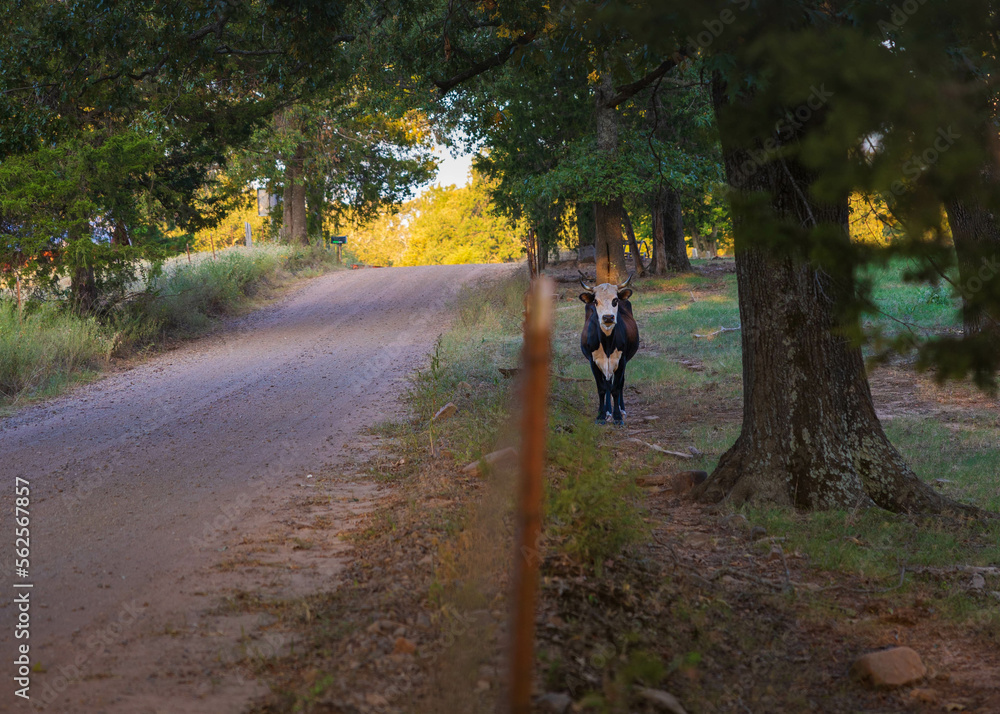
(601,421)
(619,422)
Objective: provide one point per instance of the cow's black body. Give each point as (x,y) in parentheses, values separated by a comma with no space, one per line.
(624,339)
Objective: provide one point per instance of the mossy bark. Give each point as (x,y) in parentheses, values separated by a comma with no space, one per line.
(810,436)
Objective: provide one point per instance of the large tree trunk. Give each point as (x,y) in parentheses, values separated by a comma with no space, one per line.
(83,290)
(669,251)
(316,206)
(294,227)
(673,225)
(609,251)
(633,244)
(977,244)
(584,223)
(810,436)
(300,225)
(285,232)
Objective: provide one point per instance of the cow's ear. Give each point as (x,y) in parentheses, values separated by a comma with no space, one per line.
(624,294)
(587,297)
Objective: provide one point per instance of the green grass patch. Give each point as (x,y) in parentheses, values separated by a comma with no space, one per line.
(591,506)
(876,544)
(46,347)
(43,347)
(924,308)
(961,457)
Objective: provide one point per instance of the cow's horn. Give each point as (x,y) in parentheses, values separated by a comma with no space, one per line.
(585,286)
(625,284)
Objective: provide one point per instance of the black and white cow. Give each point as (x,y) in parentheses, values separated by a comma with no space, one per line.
(609,340)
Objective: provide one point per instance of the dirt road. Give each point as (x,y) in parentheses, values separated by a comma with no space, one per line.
(161,493)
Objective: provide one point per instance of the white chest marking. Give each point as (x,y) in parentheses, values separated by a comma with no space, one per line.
(607,364)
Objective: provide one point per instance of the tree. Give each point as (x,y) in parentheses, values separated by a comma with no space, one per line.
(343,154)
(809,438)
(443,226)
(795,104)
(68,202)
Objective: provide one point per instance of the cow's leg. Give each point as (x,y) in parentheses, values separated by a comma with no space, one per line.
(621,393)
(617,388)
(603,395)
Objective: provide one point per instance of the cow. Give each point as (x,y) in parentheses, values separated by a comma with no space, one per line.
(610,338)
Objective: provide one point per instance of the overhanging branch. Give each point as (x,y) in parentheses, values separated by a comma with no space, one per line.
(630,90)
(446,85)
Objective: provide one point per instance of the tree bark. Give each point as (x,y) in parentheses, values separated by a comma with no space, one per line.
(810,436)
(673,224)
(300,225)
(83,289)
(669,250)
(316,206)
(633,245)
(584,223)
(287,216)
(977,244)
(609,251)
(119,233)
(294,219)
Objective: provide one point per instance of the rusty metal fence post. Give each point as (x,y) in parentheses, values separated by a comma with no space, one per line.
(534,429)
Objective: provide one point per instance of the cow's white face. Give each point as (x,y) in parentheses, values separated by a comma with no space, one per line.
(605,299)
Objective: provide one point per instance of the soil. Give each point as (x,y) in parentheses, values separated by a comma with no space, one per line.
(742,624)
(378,584)
(163,493)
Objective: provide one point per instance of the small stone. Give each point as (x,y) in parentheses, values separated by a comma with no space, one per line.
(554,703)
(996,594)
(376,700)
(664,701)
(695,451)
(448,410)
(404,646)
(894,667)
(684,481)
(925,694)
(737,521)
(651,417)
(465,388)
(776,552)
(978,582)
(698,539)
(757,532)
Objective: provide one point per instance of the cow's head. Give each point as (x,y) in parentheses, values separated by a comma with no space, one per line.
(605,298)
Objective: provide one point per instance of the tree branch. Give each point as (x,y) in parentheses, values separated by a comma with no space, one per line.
(446,85)
(630,90)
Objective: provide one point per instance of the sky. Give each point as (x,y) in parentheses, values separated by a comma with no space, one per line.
(453,168)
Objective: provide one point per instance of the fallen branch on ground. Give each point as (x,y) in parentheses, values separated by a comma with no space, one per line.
(654,447)
(720,331)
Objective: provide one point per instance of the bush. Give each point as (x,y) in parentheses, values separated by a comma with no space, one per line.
(44,346)
(186,298)
(591,510)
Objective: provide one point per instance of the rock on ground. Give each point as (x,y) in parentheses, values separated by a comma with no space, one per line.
(890,668)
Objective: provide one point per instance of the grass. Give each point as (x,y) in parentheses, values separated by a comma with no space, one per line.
(47,347)
(591,511)
(43,347)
